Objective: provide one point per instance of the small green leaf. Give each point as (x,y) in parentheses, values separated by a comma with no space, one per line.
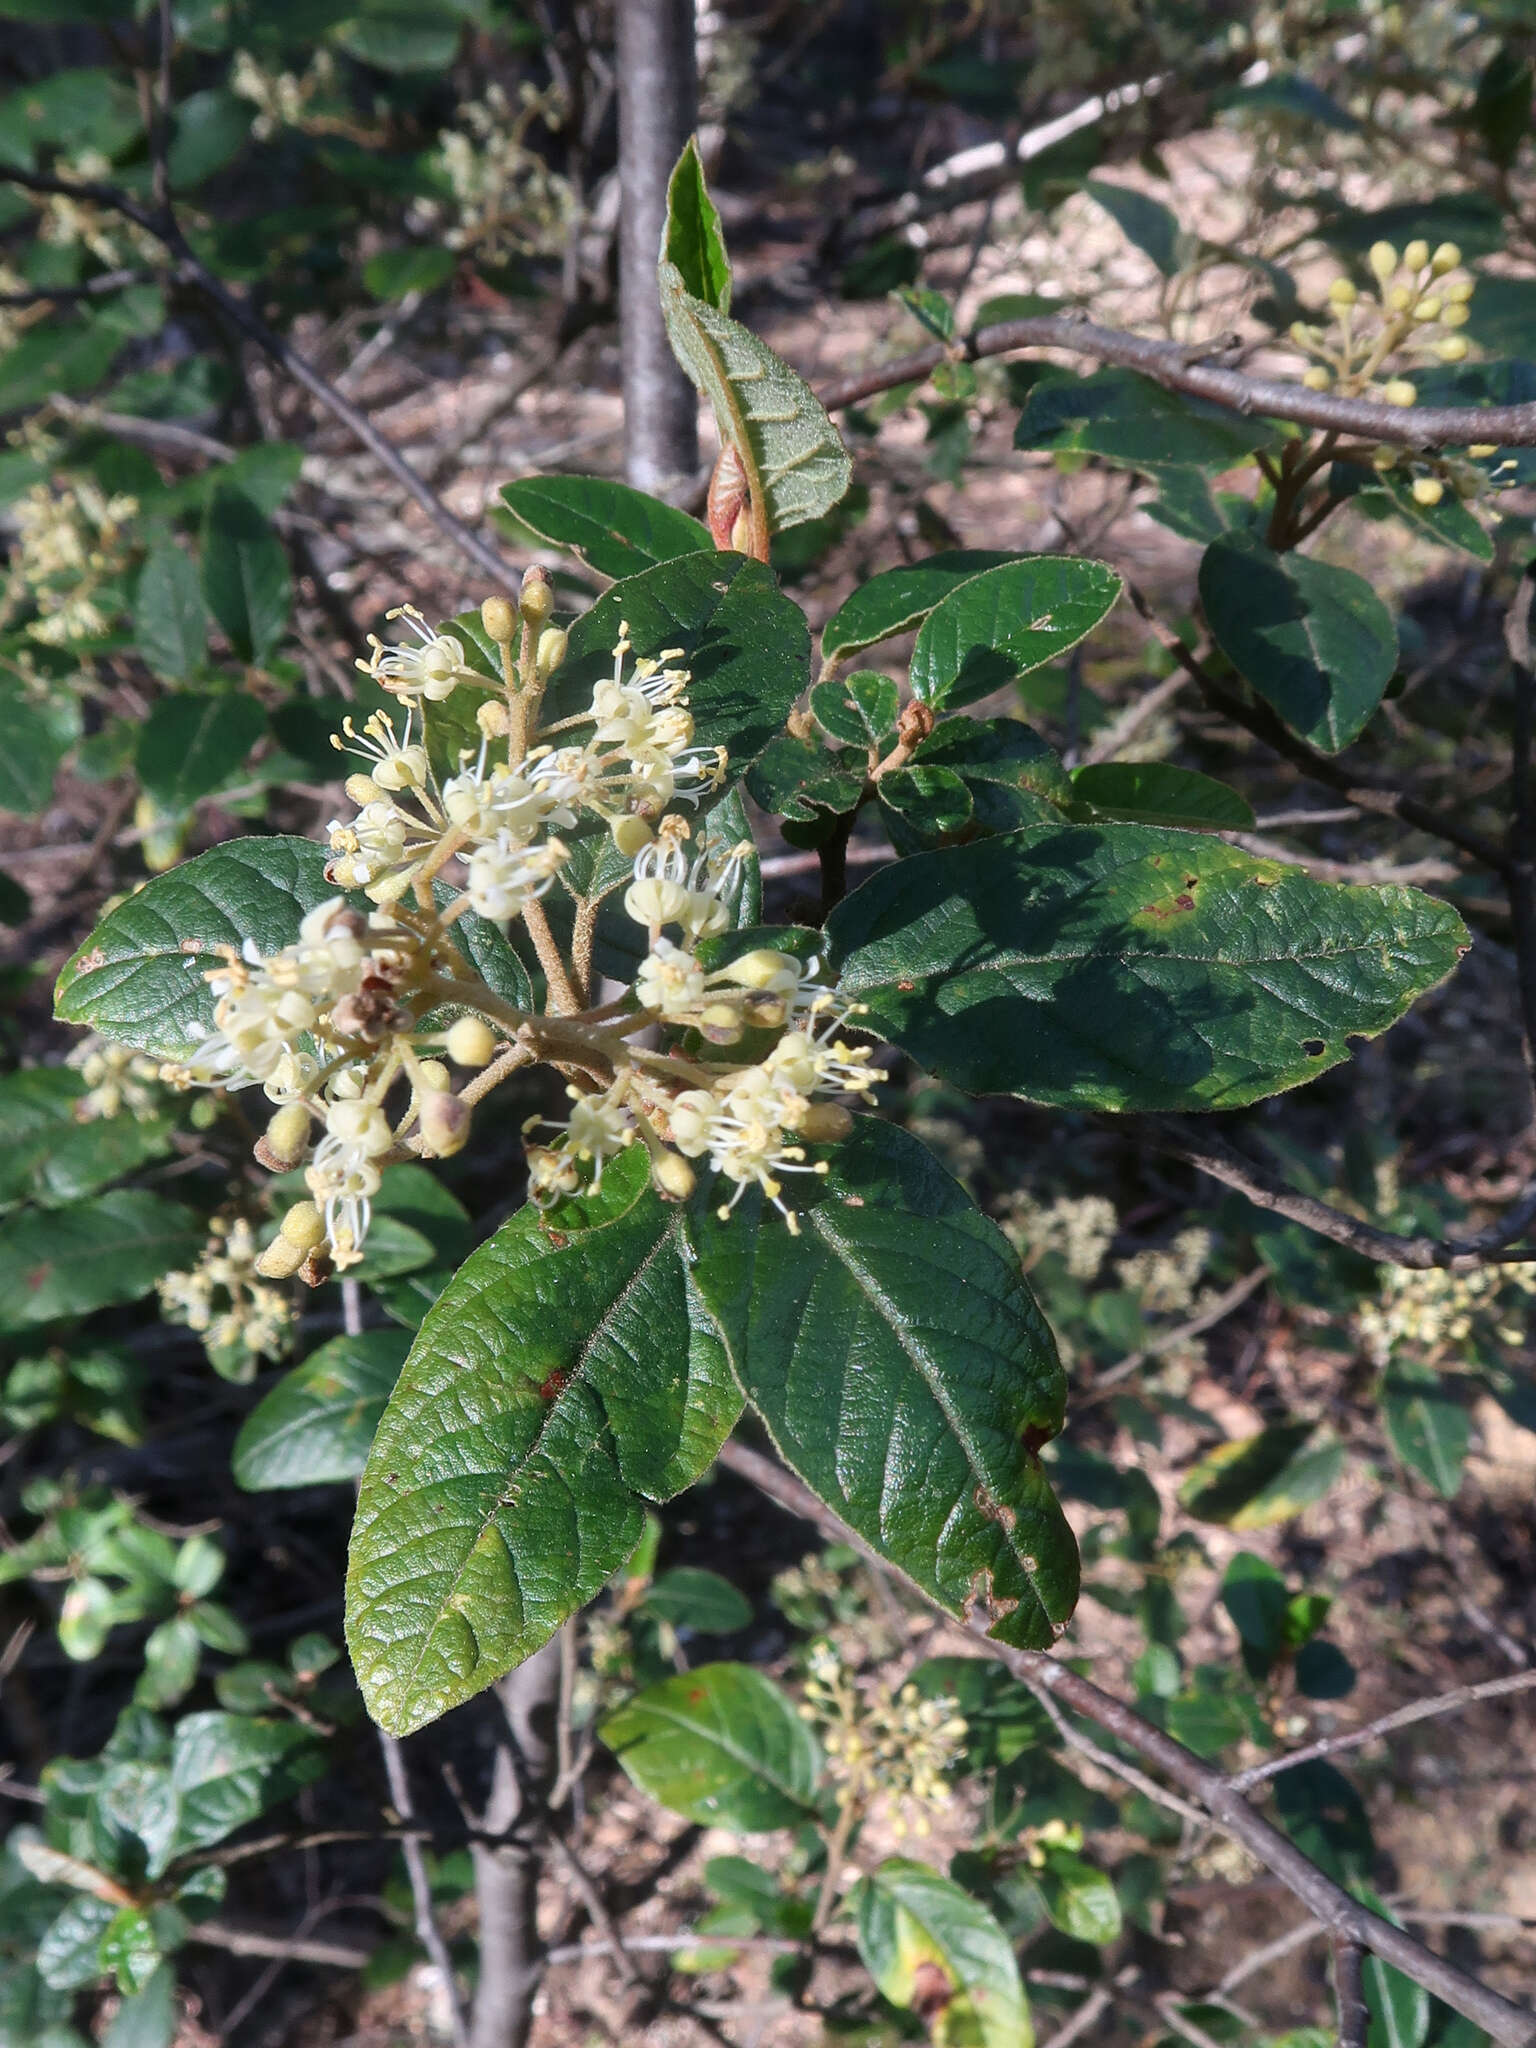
(149,2019)
(317,1423)
(66,1262)
(68,1955)
(1230,1483)
(245,574)
(896,1335)
(129,1950)
(618,530)
(37,737)
(228,1768)
(392,273)
(1426,1425)
(170,625)
(933,804)
(721,1744)
(193,742)
(934,1950)
(1158,793)
(859,710)
(690,1598)
(1144,221)
(1001,624)
(899,599)
(694,242)
(1080,1899)
(1128,419)
(172,1653)
(799,779)
(1314,640)
(1122,967)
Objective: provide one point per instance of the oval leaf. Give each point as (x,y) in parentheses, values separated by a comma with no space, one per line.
(1121,967)
(722,1745)
(318,1421)
(245,573)
(934,1950)
(170,624)
(694,242)
(193,742)
(896,1354)
(899,599)
(619,531)
(1007,621)
(1158,793)
(66,1262)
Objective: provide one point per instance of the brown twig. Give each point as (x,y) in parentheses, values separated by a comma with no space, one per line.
(428,1933)
(1403,1717)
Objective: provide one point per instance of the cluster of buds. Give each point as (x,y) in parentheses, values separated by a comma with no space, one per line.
(282,99)
(343,1029)
(1436,1313)
(225,1300)
(507,200)
(70,541)
(896,1746)
(118,1081)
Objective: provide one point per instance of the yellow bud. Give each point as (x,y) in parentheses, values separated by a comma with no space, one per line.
(1416,255)
(492,719)
(720,1023)
(825,1123)
(433,1076)
(1453,349)
(1455,315)
(1481,450)
(1301,334)
(471,1042)
(303,1227)
(1398,391)
(281,1260)
(673,1176)
(499,620)
(1428,308)
(444,1122)
(362,789)
(1459,290)
(1317,378)
(1383,260)
(551,650)
(538,597)
(630,835)
(1445,258)
(761,968)
(1342,292)
(287,1136)
(1399,299)
(1427,490)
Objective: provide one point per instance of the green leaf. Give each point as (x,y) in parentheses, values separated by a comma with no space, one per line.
(1225,1485)
(1501,111)
(56,359)
(67,1955)
(1426,1425)
(66,1262)
(245,574)
(1158,793)
(172,1653)
(1400,2009)
(391,273)
(934,1950)
(799,779)
(899,599)
(933,804)
(150,2018)
(1128,419)
(1121,967)
(266,473)
(209,130)
(860,710)
(228,1768)
(1143,221)
(36,741)
(694,242)
(170,625)
(896,1354)
(1451,523)
(129,1950)
(404,36)
(1080,1900)
(1003,623)
(317,1423)
(565,1371)
(700,1600)
(49,1158)
(1010,776)
(721,1744)
(1315,641)
(796,465)
(617,530)
(193,742)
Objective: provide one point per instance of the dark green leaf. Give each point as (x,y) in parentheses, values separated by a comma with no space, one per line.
(619,531)
(318,1421)
(899,599)
(66,1262)
(170,626)
(700,1600)
(391,273)
(1143,221)
(565,1371)
(129,1950)
(933,804)
(1158,793)
(150,2019)
(245,574)
(1121,967)
(209,130)
(859,710)
(797,779)
(1002,1718)
(68,1954)
(1501,109)
(36,741)
(933,1949)
(228,1768)
(1126,418)
(193,742)
(1006,621)
(1315,641)
(721,1744)
(172,1653)
(1427,1426)
(404,35)
(1473,220)
(54,360)
(897,1356)
(266,473)
(694,243)
(1450,522)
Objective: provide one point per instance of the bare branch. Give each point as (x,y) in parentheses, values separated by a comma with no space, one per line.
(1349,1989)
(428,1933)
(1403,1717)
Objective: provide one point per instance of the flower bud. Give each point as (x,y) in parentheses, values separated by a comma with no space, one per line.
(492,719)
(286,1138)
(1416,255)
(1427,490)
(1399,299)
(432,1076)
(444,1122)
(720,1023)
(281,1260)
(499,620)
(1455,315)
(538,597)
(672,1176)
(1342,292)
(471,1042)
(630,835)
(550,651)
(1481,450)
(763,968)
(303,1227)
(767,1013)
(1398,391)
(1453,349)
(1459,290)
(825,1123)
(1445,258)
(362,789)
(1383,260)
(1317,378)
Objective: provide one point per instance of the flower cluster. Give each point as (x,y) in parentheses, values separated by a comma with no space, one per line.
(1434,1312)
(66,222)
(118,1081)
(1080,1228)
(224,1299)
(282,98)
(507,200)
(344,1030)
(896,1746)
(70,540)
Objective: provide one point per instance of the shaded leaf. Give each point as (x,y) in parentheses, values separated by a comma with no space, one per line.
(721,1744)
(899,599)
(1158,793)
(1001,624)
(318,1421)
(192,743)
(245,573)
(68,1261)
(618,530)
(170,624)
(693,241)
(1129,419)
(1143,220)
(1427,1426)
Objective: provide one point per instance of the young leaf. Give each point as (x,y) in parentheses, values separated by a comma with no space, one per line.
(934,1950)
(795,463)
(565,1371)
(66,1262)
(694,242)
(245,574)
(721,1744)
(150,2018)
(1080,1899)
(318,1421)
(619,531)
(1158,793)
(701,1600)
(896,1354)
(192,742)
(228,1768)
(899,599)
(1121,967)
(859,710)
(170,625)
(1003,623)
(1314,640)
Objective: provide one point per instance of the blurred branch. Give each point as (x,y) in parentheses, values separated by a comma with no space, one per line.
(428,1933)
(1349,1989)
(1404,1717)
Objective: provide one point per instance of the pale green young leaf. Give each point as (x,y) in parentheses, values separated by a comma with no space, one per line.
(693,240)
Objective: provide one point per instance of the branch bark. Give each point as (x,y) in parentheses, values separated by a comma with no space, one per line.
(507,1869)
